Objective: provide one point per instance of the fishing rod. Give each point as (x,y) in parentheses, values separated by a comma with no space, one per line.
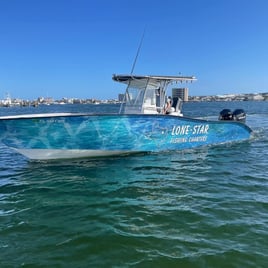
(138,52)
(133,66)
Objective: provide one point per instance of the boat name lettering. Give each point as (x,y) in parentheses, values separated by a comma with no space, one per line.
(188,129)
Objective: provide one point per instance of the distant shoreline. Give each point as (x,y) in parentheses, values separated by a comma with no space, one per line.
(8,102)
(232,97)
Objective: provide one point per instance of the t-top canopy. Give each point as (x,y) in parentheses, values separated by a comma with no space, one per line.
(153,80)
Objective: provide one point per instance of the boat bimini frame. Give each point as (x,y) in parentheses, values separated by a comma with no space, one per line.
(147,94)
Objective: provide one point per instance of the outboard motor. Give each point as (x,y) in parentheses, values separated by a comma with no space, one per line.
(226,114)
(239,115)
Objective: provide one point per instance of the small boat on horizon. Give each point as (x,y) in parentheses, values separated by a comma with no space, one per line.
(145,123)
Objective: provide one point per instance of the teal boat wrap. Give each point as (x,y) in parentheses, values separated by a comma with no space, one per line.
(118,132)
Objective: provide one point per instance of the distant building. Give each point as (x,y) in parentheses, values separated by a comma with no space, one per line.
(47,100)
(258,97)
(182,93)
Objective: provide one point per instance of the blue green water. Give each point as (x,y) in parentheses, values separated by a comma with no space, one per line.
(199,208)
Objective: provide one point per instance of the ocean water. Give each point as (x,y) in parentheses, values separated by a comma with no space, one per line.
(199,208)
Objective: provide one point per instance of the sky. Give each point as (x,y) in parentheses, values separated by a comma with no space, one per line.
(71,48)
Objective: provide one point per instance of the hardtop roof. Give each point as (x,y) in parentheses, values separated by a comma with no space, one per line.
(152,79)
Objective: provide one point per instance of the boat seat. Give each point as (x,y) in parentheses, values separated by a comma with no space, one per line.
(177,104)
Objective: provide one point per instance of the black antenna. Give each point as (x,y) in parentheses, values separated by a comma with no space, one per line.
(138,52)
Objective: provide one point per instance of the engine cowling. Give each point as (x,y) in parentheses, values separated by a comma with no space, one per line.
(226,114)
(239,115)
(236,115)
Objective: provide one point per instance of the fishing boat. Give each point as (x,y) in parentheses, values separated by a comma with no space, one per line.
(143,124)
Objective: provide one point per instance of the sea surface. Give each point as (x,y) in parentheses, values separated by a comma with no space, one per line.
(198,208)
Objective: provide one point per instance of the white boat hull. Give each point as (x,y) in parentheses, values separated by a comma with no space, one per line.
(52,154)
